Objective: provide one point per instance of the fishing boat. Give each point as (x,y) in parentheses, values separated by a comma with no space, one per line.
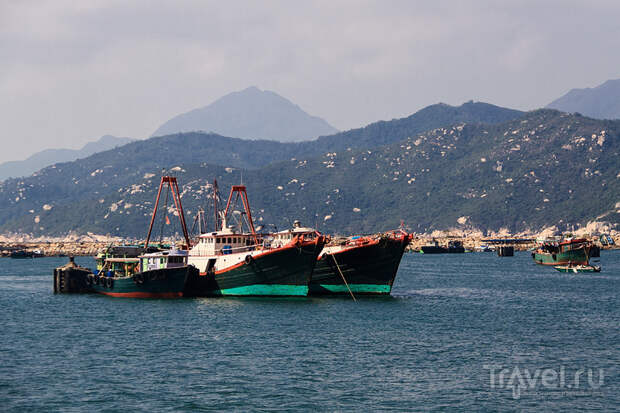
(20,254)
(145,271)
(359,264)
(578,268)
(455,247)
(569,251)
(433,248)
(237,263)
(484,248)
(161,274)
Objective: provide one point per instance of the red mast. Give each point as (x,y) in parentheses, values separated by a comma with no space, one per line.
(215,195)
(176,196)
(240,190)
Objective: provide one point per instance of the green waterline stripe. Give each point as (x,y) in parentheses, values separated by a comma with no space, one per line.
(355,288)
(266,289)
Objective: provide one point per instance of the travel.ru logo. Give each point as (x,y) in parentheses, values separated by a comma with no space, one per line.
(580,381)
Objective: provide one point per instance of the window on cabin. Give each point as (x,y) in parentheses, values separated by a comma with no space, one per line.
(218,240)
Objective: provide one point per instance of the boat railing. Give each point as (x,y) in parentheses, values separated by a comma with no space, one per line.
(227,249)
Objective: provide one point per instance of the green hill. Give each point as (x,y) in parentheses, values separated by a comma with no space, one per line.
(543,168)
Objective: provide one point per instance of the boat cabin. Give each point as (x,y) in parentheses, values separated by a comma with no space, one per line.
(223,243)
(125,261)
(120,260)
(280,239)
(564,246)
(172,258)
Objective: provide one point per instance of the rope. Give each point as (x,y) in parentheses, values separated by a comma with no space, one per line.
(342,276)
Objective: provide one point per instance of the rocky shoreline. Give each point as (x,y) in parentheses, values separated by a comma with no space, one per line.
(91,244)
(74,245)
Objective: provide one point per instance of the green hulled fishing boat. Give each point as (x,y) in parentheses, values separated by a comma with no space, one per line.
(568,252)
(252,270)
(143,271)
(161,274)
(236,263)
(359,265)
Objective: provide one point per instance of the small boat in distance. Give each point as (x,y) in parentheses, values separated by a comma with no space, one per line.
(578,268)
(454,247)
(20,254)
(567,252)
(433,248)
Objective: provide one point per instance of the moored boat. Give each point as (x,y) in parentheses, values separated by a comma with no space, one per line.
(144,271)
(236,263)
(359,264)
(433,248)
(483,248)
(569,251)
(161,274)
(578,268)
(26,254)
(456,247)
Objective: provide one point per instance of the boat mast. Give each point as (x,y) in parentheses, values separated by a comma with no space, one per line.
(241,191)
(176,197)
(215,196)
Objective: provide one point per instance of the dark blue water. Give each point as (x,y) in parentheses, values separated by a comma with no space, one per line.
(433,345)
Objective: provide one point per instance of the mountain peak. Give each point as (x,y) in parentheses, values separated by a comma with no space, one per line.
(251,89)
(600,102)
(250,113)
(51,156)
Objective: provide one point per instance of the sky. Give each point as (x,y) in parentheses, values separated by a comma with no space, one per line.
(72,71)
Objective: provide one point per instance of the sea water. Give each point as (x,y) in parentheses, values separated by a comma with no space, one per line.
(468,332)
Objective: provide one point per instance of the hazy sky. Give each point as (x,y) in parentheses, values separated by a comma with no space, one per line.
(71,71)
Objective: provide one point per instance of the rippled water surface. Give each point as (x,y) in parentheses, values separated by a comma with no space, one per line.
(451,321)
